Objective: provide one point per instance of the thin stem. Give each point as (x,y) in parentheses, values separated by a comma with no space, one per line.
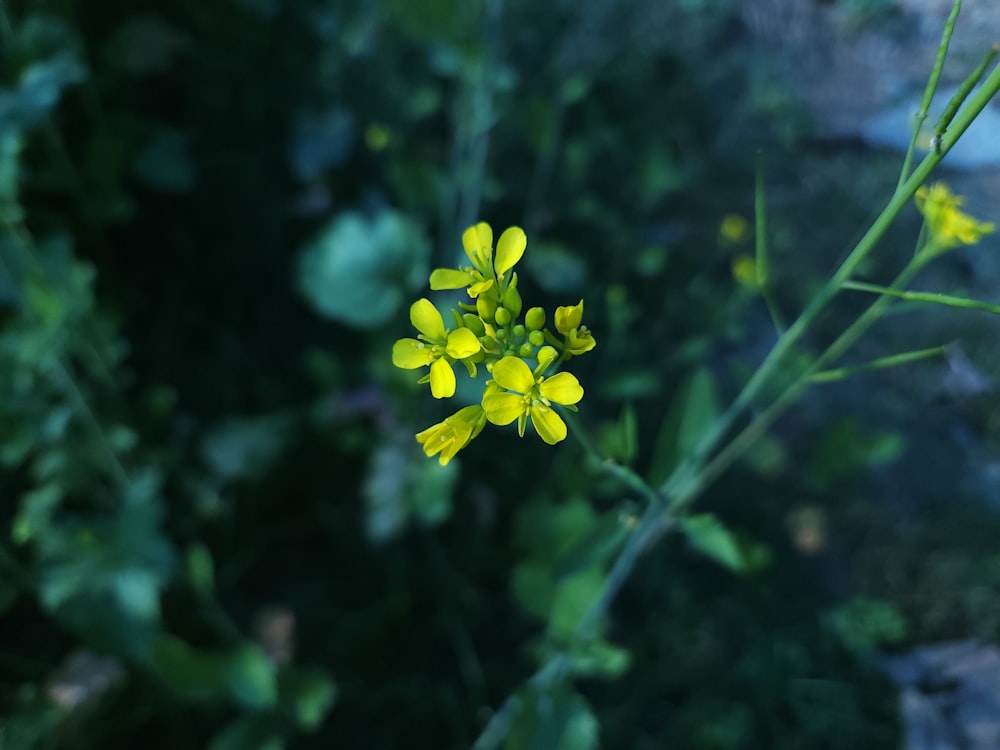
(932,83)
(893,360)
(930,297)
(899,200)
(760,424)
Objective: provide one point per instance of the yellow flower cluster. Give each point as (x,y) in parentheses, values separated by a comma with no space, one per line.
(947,225)
(522,358)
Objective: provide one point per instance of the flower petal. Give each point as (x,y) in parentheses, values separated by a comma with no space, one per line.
(462,343)
(568,318)
(513,374)
(442,379)
(503,408)
(426,319)
(409,354)
(548,424)
(478,244)
(449,278)
(510,248)
(562,388)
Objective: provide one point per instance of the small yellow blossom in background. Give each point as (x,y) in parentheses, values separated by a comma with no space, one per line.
(377,137)
(734,229)
(745,270)
(947,225)
(522,358)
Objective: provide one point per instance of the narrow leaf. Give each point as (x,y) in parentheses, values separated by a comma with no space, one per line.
(694,408)
(714,540)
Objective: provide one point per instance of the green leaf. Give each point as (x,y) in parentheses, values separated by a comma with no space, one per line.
(243,674)
(200,569)
(596,546)
(713,539)
(251,732)
(360,270)
(308,695)
(694,409)
(552,718)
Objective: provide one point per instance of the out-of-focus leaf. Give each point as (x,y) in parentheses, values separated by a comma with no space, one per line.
(320,142)
(103,577)
(41,85)
(246,448)
(200,569)
(552,718)
(601,542)
(864,623)
(251,732)
(165,163)
(694,408)
(598,658)
(308,695)
(708,534)
(402,486)
(146,44)
(243,674)
(360,270)
(555,268)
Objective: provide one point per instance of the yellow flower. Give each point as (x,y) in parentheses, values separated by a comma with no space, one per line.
(447,438)
(745,270)
(578,339)
(948,226)
(527,395)
(436,346)
(734,228)
(485,269)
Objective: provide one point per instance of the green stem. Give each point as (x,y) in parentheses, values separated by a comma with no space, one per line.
(763,421)
(931,297)
(893,360)
(929,90)
(899,200)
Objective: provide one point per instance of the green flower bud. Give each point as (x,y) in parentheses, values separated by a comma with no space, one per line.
(486,306)
(535,319)
(474,323)
(536,337)
(512,300)
(519,331)
(502,334)
(502,316)
(546,354)
(526,350)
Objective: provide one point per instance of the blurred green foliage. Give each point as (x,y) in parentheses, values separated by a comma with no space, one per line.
(219,531)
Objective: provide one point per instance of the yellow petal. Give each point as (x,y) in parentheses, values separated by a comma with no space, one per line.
(479,287)
(511,373)
(568,318)
(478,244)
(462,343)
(503,408)
(510,248)
(442,379)
(548,424)
(561,388)
(448,278)
(426,319)
(409,354)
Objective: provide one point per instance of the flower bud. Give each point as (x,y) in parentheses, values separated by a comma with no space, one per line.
(526,350)
(502,316)
(537,338)
(546,354)
(512,300)
(519,331)
(474,323)
(535,319)
(486,306)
